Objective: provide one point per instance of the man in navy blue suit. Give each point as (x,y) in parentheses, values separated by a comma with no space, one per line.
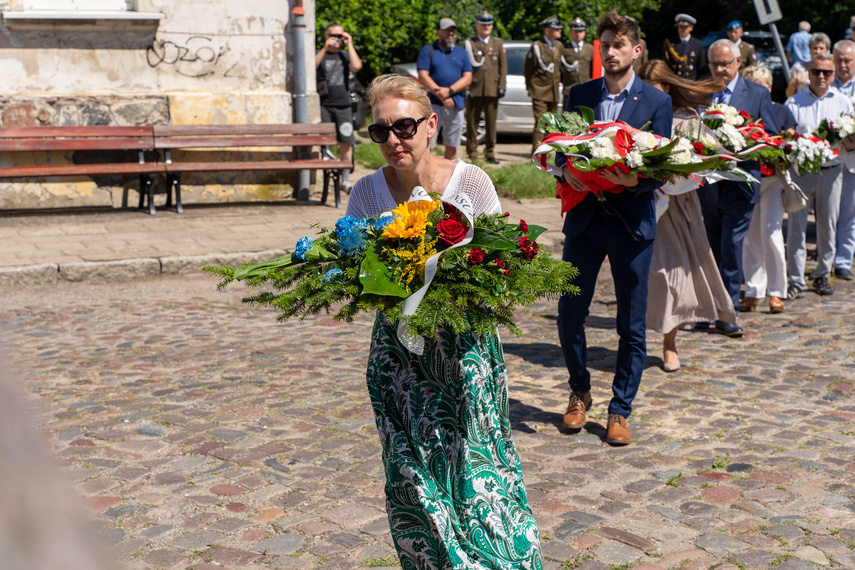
(620,226)
(727,206)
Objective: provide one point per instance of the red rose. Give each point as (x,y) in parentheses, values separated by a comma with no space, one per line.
(500,264)
(507,272)
(476,256)
(699,147)
(450,232)
(745,115)
(507,214)
(523,226)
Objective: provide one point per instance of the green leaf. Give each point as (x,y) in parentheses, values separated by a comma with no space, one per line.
(251,270)
(488,238)
(662,150)
(534,232)
(587,114)
(317,253)
(376,278)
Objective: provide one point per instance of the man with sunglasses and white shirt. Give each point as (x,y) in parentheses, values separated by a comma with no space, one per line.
(810,107)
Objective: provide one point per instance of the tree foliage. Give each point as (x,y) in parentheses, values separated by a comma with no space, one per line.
(387,32)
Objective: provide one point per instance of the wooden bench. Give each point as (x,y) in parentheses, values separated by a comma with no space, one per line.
(256,139)
(72,139)
(150,141)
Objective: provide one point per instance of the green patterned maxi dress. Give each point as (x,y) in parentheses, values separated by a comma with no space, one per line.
(454,488)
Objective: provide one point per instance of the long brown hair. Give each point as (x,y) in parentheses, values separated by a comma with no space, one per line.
(685,93)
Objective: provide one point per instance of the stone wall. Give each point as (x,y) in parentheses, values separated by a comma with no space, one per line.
(205,62)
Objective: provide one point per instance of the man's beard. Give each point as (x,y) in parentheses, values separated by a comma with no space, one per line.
(448,43)
(620,72)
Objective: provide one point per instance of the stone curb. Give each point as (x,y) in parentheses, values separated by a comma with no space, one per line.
(126,269)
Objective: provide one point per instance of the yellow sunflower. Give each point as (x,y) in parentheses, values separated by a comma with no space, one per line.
(410,219)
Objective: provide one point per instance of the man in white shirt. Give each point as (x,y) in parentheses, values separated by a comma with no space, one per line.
(844,67)
(810,107)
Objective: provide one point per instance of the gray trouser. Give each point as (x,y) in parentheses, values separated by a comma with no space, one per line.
(824,186)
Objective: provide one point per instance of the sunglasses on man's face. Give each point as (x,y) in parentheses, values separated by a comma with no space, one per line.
(403,128)
(339,36)
(818,72)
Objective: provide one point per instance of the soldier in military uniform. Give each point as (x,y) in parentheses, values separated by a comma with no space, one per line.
(489,76)
(746,50)
(542,72)
(578,59)
(684,54)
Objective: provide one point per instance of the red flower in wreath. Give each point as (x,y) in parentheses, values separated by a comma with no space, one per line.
(450,232)
(500,264)
(523,226)
(766,169)
(528,248)
(476,256)
(744,115)
(699,147)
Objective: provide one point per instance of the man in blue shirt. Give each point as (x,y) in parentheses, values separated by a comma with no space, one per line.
(445,71)
(844,82)
(798,48)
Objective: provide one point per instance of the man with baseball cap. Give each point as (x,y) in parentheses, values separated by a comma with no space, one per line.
(746,50)
(542,72)
(489,77)
(684,54)
(445,71)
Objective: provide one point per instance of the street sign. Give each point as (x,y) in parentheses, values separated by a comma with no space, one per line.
(768,11)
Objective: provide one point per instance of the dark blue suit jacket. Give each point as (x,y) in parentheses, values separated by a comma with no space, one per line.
(635,208)
(755,100)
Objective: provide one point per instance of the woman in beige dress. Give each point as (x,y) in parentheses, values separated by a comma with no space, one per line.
(685,285)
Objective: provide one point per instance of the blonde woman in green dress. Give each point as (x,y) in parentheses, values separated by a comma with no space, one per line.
(454,488)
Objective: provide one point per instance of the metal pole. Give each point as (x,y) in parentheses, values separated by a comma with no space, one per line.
(301,108)
(780,47)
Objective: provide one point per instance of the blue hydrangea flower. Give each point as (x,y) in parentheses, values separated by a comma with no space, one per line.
(351,235)
(384,220)
(331,274)
(303,245)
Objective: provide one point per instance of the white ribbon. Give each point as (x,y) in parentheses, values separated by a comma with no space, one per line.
(547,68)
(472,60)
(411,342)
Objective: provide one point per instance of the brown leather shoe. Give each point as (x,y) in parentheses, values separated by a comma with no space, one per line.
(580,402)
(776,305)
(747,304)
(616,430)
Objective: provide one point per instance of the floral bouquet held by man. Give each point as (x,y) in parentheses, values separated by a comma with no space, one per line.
(429,264)
(592,148)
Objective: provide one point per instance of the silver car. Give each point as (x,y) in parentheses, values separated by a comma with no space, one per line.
(515,114)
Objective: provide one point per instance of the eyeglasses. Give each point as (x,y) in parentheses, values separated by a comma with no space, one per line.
(404,129)
(721,63)
(825,72)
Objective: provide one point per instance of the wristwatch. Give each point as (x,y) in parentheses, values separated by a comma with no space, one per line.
(451,91)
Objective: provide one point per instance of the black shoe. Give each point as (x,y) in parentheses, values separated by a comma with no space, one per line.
(794,291)
(702,326)
(493,160)
(728,329)
(844,274)
(821,286)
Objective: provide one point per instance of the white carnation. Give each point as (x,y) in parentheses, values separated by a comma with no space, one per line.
(603,148)
(731,137)
(634,159)
(644,142)
(845,126)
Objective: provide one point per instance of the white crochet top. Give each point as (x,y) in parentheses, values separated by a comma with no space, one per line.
(371,195)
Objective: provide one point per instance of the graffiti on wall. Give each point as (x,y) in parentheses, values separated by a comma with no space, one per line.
(194,57)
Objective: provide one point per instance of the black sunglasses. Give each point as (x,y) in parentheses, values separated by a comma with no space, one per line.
(818,72)
(403,128)
(339,36)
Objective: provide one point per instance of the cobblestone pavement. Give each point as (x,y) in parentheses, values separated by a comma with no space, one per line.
(203,434)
